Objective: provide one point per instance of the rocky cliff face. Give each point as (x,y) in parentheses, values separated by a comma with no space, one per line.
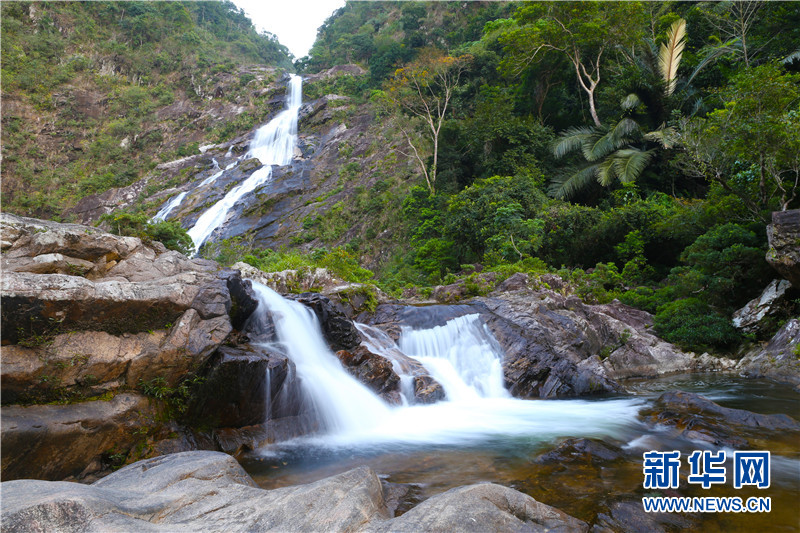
(555,344)
(89,320)
(784,244)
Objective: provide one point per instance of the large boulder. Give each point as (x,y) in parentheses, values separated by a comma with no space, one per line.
(129,312)
(57,441)
(784,245)
(779,359)
(209,491)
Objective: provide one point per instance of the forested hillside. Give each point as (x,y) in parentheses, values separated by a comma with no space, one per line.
(95,94)
(642,146)
(636,148)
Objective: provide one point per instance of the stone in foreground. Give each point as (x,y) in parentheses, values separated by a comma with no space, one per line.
(209,491)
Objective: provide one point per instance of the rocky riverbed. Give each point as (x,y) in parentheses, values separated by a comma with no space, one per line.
(116,350)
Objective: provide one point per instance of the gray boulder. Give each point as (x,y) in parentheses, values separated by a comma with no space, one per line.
(777,360)
(209,491)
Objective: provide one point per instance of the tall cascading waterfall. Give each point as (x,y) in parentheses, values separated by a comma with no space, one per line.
(273,144)
(342,403)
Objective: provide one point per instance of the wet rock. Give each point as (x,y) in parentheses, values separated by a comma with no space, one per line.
(750,317)
(581,450)
(427,390)
(779,359)
(784,245)
(482,507)
(372,370)
(631,518)
(56,441)
(337,329)
(687,402)
(697,418)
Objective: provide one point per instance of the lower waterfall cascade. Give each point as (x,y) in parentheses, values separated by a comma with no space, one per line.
(461,355)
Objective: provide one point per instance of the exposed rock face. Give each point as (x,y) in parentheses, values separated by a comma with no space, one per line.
(208,491)
(56,441)
(287,281)
(698,418)
(750,318)
(779,359)
(374,371)
(87,313)
(128,312)
(784,244)
(556,345)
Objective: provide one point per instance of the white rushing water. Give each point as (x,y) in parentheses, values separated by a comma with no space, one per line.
(273,144)
(168,207)
(462,355)
(342,402)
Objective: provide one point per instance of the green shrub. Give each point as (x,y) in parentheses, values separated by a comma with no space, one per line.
(694,325)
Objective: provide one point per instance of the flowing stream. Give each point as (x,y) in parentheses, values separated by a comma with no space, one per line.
(480,433)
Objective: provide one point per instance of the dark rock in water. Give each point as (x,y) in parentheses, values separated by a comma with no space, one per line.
(57,441)
(238,440)
(581,451)
(374,371)
(688,402)
(338,330)
(427,390)
(234,393)
(784,245)
(630,517)
(777,360)
(698,418)
(209,491)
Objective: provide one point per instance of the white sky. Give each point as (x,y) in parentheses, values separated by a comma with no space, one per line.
(295,22)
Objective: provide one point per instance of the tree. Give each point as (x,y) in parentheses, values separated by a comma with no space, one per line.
(613,152)
(422,92)
(750,146)
(581,31)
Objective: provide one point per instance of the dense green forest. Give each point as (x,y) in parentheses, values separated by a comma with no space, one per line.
(636,147)
(95,94)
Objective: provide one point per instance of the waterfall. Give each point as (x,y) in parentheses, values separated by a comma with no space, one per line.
(342,403)
(273,144)
(168,207)
(462,355)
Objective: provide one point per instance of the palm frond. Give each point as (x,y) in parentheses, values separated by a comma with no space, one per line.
(599,145)
(623,129)
(630,163)
(630,102)
(571,140)
(664,135)
(669,56)
(566,186)
(715,53)
(791,58)
(606,172)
